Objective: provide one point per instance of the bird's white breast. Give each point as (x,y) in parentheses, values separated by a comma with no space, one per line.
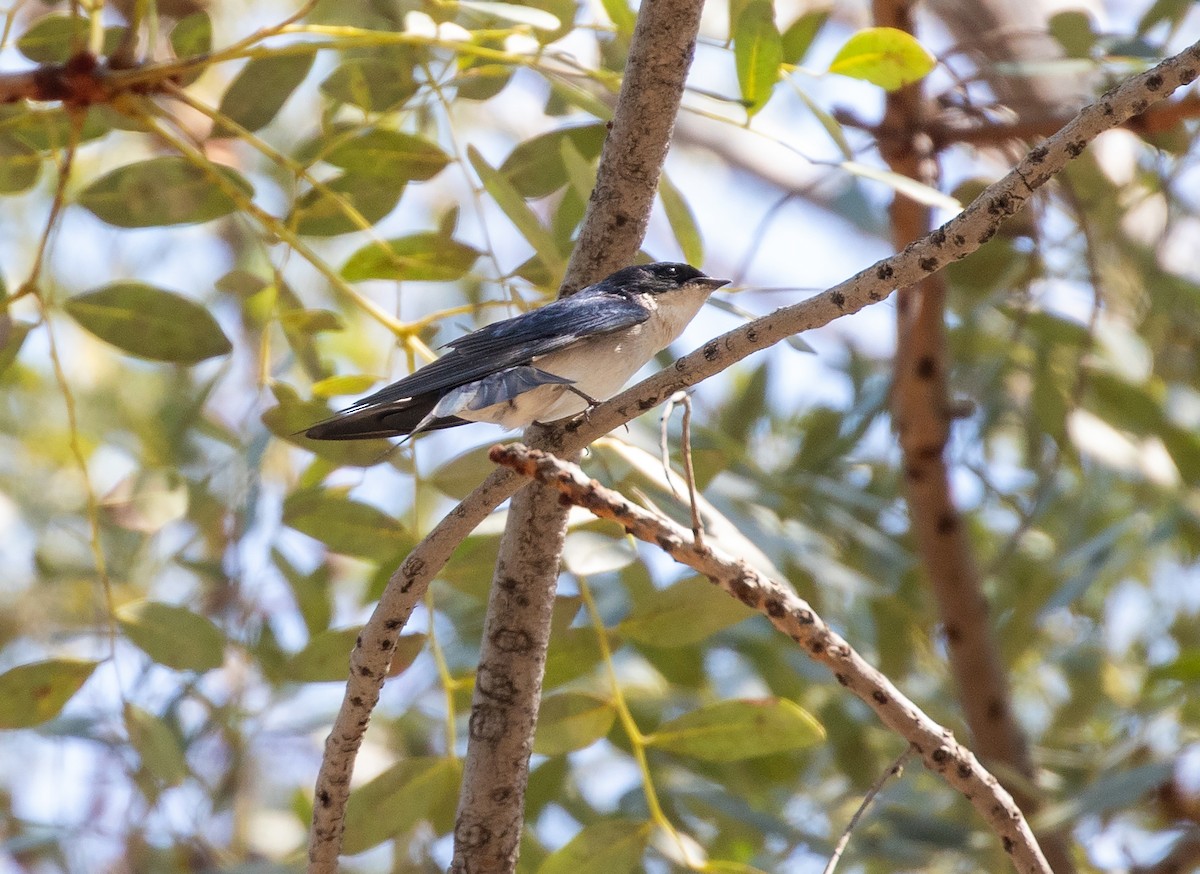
(600,366)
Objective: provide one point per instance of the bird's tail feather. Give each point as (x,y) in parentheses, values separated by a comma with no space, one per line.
(361,424)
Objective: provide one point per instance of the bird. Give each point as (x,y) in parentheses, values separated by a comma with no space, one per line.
(550,363)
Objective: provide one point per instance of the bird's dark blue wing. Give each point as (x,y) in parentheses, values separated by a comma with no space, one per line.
(401,406)
(517,341)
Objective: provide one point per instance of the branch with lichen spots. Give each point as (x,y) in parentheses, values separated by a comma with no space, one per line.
(792,615)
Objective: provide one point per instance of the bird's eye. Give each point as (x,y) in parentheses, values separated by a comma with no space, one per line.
(672,271)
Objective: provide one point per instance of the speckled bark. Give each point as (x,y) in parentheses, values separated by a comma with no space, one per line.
(618,210)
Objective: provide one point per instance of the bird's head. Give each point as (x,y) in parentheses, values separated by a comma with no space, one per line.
(661,277)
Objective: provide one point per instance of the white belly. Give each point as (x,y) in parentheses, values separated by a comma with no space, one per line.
(598,367)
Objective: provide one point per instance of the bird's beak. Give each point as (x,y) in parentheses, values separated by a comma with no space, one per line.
(710,283)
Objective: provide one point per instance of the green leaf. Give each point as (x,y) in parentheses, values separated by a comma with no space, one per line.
(481,81)
(312,591)
(321,212)
(831,124)
(581,175)
(12,337)
(458,476)
(1123,404)
(408,792)
(1072,28)
(757,52)
(901,184)
(373,84)
(173,636)
(1048,327)
(34,693)
(611,846)
(55,38)
(536,168)
(192,35)
(149,322)
(571,654)
(1110,792)
(326,658)
(160,192)
(683,614)
(800,34)
(682,221)
(345,525)
(347,384)
(571,721)
(424,256)
(1185,667)
(1163,10)
(519,213)
(388,153)
(1183,445)
(157,745)
(621,14)
(884,56)
(408,647)
(46,130)
(20,166)
(259,91)
(312,322)
(731,731)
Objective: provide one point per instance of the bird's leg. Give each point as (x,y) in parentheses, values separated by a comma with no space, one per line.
(591,401)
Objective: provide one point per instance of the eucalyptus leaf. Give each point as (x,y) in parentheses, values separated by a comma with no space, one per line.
(571,721)
(408,791)
(683,614)
(260,89)
(34,693)
(161,192)
(757,53)
(884,56)
(426,256)
(344,524)
(610,846)
(172,635)
(730,731)
(150,322)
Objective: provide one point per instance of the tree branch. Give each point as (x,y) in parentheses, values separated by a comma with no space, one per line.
(921,418)
(952,242)
(789,613)
(516,633)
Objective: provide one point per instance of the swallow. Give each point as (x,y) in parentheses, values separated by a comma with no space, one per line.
(544,365)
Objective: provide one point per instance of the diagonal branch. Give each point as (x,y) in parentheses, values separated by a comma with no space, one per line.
(954,241)
(792,615)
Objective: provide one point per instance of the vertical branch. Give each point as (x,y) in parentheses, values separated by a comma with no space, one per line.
(491,806)
(920,411)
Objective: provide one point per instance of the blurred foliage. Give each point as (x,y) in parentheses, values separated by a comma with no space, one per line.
(323,203)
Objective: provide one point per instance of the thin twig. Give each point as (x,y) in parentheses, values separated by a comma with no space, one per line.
(690,473)
(893,770)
